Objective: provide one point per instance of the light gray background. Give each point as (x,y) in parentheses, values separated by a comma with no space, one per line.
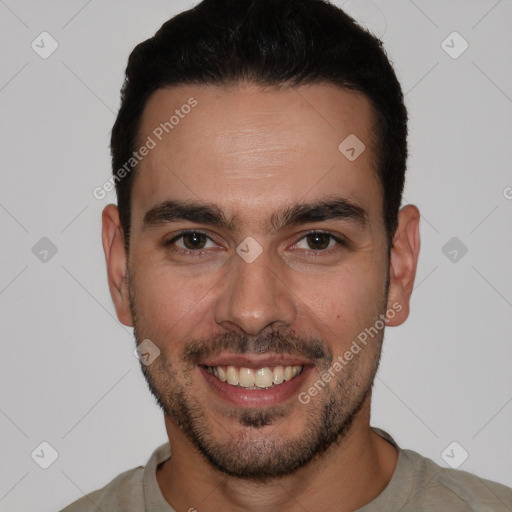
(69,376)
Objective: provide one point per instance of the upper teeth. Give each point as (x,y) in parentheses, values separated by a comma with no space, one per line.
(259,378)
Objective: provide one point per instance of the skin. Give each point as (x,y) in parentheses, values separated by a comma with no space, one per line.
(252,152)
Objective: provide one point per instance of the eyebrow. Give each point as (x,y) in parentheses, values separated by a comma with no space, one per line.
(297,214)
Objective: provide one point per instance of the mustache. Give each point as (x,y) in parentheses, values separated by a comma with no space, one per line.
(271,343)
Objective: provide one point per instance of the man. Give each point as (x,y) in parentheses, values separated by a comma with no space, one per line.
(258,249)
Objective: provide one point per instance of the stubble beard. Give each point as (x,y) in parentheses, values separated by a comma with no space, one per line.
(258,449)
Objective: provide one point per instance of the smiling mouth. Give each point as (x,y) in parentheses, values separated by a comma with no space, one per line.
(254,378)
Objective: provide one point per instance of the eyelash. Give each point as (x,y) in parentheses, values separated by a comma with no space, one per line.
(199,253)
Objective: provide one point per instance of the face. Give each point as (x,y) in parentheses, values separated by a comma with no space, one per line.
(257,256)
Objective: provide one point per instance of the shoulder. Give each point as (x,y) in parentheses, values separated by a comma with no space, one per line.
(434,486)
(124,493)
(127,492)
(419,484)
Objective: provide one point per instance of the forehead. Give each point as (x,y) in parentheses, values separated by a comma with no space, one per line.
(252,150)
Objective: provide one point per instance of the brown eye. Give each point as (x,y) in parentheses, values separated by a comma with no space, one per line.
(318,241)
(194,240)
(190,242)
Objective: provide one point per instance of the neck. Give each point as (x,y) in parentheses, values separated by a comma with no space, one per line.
(350,474)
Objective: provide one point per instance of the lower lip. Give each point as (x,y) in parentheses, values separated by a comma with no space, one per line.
(244,397)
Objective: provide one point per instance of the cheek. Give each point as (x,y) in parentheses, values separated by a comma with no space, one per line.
(169,305)
(342,304)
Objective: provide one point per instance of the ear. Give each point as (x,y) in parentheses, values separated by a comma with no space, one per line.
(115,256)
(403,262)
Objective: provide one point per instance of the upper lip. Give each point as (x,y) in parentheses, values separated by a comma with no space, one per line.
(256,360)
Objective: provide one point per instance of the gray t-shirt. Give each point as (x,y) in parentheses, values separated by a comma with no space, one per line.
(418,484)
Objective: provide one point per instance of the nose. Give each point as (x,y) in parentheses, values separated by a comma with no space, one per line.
(255,297)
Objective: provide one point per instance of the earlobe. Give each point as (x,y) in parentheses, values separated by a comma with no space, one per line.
(403,263)
(116,260)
